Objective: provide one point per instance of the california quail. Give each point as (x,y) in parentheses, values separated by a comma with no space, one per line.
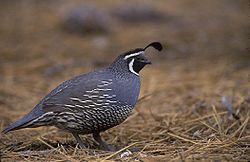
(92,102)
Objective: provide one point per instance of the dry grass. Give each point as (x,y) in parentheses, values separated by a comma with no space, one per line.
(166,125)
(180,116)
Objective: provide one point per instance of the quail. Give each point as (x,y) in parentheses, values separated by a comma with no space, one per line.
(91,103)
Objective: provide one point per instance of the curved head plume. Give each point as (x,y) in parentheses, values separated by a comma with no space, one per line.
(140,51)
(156,45)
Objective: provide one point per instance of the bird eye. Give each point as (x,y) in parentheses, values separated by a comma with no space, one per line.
(139,58)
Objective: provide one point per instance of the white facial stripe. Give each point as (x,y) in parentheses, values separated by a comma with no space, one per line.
(131,67)
(133,54)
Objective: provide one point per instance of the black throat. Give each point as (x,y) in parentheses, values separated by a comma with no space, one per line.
(137,66)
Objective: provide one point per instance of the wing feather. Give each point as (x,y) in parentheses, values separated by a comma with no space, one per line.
(82,92)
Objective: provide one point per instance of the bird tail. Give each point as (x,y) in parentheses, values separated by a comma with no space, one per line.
(14,126)
(26,121)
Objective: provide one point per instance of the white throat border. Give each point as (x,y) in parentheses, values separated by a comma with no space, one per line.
(131,69)
(133,54)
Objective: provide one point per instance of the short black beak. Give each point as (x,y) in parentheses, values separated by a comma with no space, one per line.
(147,62)
(144,60)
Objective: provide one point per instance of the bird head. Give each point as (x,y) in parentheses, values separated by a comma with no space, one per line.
(136,59)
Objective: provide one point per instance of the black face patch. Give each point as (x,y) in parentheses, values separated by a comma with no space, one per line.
(136,63)
(137,66)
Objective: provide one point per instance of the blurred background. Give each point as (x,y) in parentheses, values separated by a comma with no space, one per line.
(205,56)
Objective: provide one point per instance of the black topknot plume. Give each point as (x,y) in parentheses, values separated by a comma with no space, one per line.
(156,45)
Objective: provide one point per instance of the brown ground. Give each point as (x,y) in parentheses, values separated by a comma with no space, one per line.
(179,117)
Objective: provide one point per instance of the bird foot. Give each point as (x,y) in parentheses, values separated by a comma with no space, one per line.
(109,147)
(80,142)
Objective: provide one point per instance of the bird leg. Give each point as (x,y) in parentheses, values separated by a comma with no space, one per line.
(79,140)
(103,144)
